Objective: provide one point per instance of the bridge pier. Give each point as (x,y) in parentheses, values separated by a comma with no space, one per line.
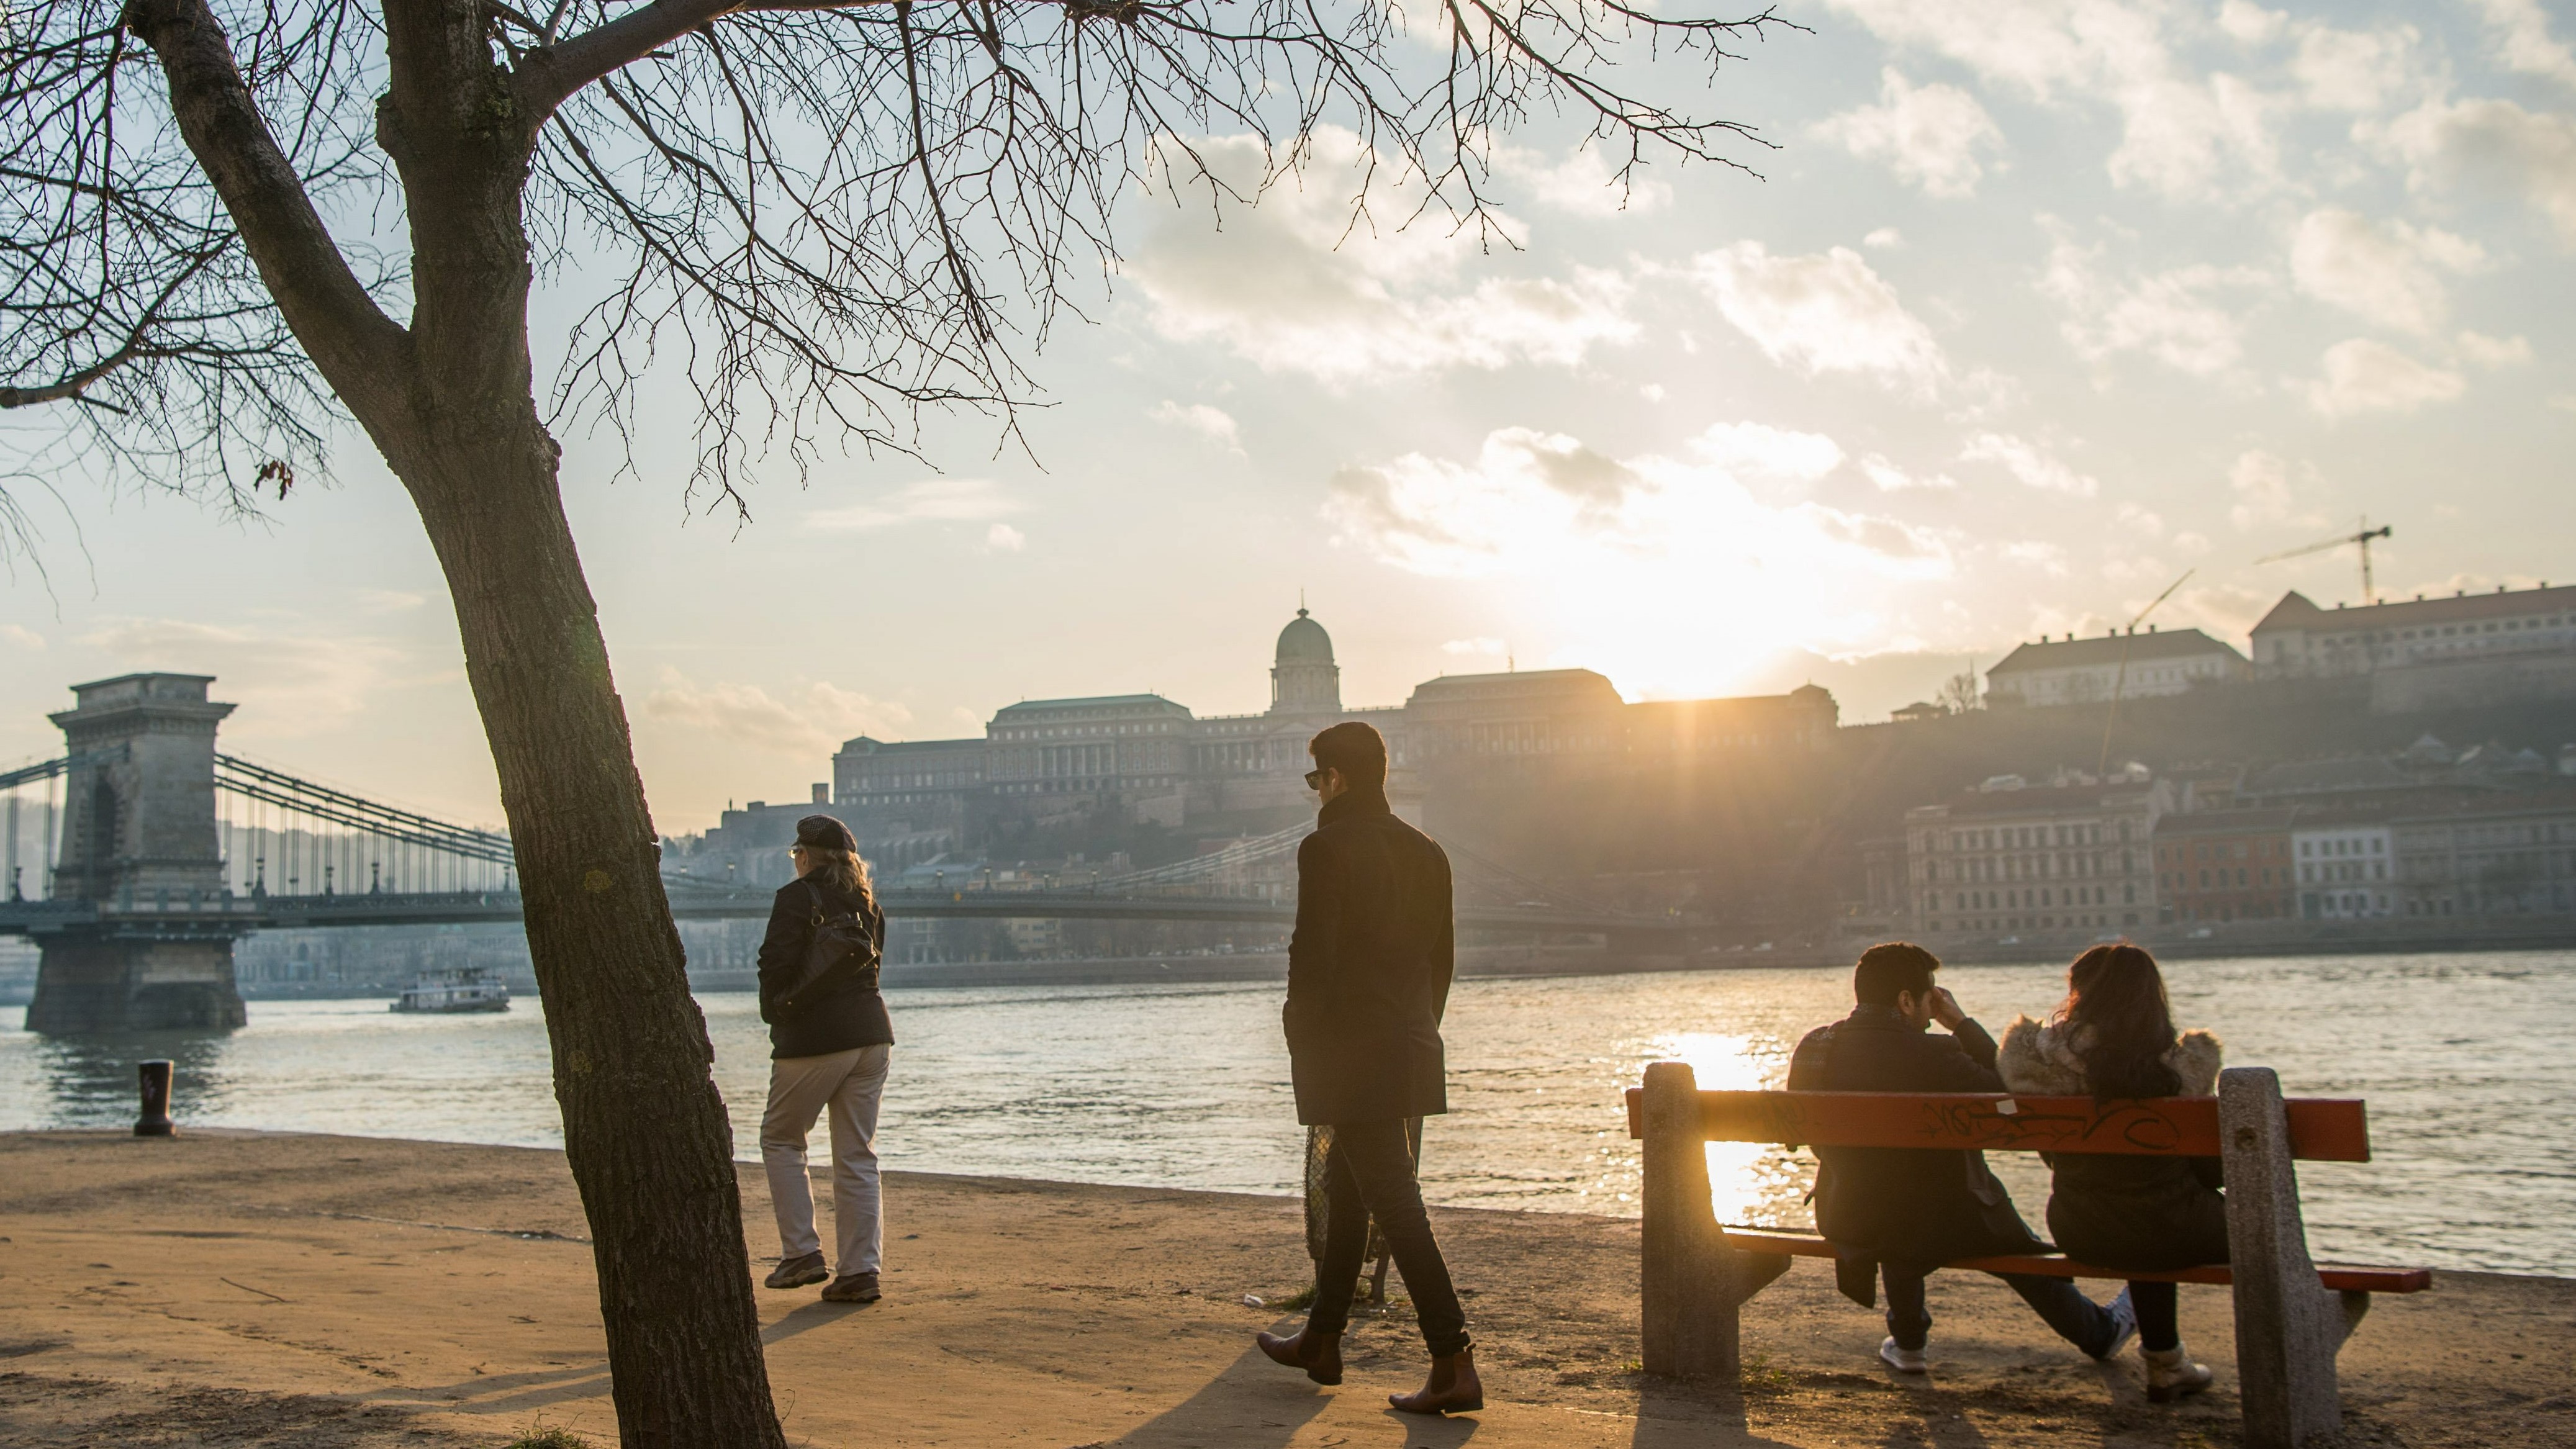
(117,980)
(139,831)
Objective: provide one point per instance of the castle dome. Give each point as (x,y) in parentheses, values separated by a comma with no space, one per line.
(1303,677)
(1304,642)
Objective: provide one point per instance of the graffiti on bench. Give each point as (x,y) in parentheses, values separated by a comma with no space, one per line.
(2321,1129)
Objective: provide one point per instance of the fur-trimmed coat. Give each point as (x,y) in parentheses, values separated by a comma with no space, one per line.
(2146,1214)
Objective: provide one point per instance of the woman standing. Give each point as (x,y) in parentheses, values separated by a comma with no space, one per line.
(2114,1038)
(830,1046)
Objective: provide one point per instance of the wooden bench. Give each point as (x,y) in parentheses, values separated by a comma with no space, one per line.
(2291,1316)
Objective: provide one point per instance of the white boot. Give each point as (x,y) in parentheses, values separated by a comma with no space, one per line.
(2171,1374)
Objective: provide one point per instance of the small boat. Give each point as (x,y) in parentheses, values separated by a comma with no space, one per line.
(467,988)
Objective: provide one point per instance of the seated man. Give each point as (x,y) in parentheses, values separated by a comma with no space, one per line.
(1906,1211)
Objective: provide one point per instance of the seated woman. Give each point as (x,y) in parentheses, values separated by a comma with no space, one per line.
(2114,1038)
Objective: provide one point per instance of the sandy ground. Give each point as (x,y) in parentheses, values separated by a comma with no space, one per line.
(346,1293)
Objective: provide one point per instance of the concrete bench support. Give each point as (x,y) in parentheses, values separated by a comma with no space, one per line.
(1692,1283)
(2288,1327)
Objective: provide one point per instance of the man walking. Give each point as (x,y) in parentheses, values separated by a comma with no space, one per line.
(1368,980)
(1907,1211)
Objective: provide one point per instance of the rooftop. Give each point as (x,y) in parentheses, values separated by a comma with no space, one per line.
(1097,704)
(2298,611)
(2111,649)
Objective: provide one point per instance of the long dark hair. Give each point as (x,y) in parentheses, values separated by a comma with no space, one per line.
(2120,1024)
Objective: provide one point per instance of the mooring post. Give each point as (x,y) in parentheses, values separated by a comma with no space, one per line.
(2288,1326)
(155,1121)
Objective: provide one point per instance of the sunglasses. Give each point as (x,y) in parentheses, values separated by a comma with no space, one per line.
(1315,780)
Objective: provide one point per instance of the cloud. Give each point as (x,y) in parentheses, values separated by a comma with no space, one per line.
(1472,646)
(1885,238)
(1827,312)
(2496,141)
(289,684)
(2183,135)
(1760,452)
(2523,41)
(932,500)
(2366,375)
(2035,466)
(2481,350)
(2261,482)
(1002,538)
(2390,274)
(2172,316)
(1295,284)
(1214,424)
(1583,184)
(812,719)
(1892,479)
(1928,135)
(1679,562)
(390,601)
(21,636)
(2353,70)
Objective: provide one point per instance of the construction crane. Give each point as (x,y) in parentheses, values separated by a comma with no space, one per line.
(2120,683)
(2369,592)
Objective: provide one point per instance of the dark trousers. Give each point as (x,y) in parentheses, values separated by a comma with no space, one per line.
(2159,1306)
(2078,1319)
(1369,1172)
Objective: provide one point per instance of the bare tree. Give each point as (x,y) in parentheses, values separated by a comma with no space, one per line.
(823,214)
(1959,692)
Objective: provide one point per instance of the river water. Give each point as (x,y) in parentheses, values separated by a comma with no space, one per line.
(2468,1063)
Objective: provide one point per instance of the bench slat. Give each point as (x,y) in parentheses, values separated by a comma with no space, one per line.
(2322,1129)
(1777,1241)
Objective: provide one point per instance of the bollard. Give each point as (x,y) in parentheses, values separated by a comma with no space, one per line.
(155,1121)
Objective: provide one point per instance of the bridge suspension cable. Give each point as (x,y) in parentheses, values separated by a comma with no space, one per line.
(297,837)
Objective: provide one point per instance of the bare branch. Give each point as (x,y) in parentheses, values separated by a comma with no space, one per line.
(364,353)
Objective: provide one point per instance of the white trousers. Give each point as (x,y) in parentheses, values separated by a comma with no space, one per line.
(852,1085)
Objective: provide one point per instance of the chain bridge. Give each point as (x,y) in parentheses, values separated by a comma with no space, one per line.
(156,852)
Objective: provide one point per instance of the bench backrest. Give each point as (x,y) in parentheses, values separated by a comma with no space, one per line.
(2322,1129)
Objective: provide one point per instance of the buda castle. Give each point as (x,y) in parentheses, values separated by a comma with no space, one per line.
(1142,759)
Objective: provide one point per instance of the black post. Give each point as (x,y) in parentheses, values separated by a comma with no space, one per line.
(155,1121)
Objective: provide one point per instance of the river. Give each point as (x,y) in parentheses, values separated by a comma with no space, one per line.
(2468,1063)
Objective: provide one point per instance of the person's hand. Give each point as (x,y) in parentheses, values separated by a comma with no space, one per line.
(1945,1009)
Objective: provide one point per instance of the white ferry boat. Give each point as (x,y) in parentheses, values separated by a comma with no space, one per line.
(466,988)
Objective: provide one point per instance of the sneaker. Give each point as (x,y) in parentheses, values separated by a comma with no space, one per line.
(1904,1360)
(797,1272)
(853,1288)
(2171,1374)
(2124,1325)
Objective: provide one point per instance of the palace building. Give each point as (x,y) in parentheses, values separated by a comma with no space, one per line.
(1145,759)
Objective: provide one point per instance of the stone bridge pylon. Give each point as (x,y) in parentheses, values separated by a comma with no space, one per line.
(139,827)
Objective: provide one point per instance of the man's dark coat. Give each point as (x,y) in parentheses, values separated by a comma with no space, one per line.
(1912,1206)
(1368,967)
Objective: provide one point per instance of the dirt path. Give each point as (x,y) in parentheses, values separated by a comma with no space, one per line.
(345,1293)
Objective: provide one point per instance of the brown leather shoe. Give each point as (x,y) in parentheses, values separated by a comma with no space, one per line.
(853,1288)
(797,1272)
(1318,1354)
(1452,1389)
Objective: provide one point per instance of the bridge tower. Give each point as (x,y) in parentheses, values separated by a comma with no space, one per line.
(139,843)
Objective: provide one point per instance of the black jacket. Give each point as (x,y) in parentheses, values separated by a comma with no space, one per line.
(1918,1207)
(1368,967)
(851,1015)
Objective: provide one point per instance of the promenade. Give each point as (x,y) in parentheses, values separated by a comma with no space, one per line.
(333,1293)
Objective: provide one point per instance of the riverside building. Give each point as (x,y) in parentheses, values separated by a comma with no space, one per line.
(1142,759)
(2131,665)
(2011,858)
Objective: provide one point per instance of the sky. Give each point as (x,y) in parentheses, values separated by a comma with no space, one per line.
(2033,306)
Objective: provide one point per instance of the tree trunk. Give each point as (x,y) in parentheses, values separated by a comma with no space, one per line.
(451,405)
(644,1128)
